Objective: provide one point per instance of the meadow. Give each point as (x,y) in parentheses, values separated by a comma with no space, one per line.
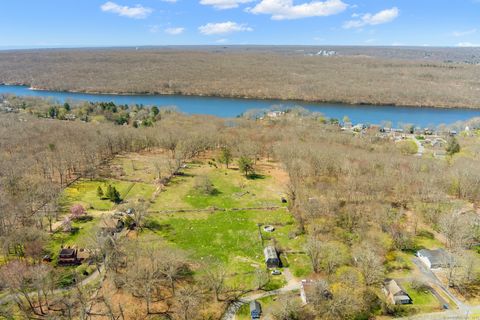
(231,237)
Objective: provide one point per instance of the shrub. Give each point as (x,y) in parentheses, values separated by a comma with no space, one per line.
(77,211)
(204,186)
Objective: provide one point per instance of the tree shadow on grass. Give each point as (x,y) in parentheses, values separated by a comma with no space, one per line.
(255,176)
(156,226)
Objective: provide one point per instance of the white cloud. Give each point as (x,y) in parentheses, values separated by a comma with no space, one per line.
(174,31)
(171,1)
(223,28)
(224,4)
(222,40)
(369,19)
(467,45)
(286,10)
(136,12)
(463,33)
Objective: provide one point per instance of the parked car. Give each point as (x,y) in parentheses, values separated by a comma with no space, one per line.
(276,272)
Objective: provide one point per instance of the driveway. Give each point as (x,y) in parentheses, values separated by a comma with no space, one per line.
(291,285)
(428,276)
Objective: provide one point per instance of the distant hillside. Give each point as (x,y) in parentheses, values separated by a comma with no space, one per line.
(440,77)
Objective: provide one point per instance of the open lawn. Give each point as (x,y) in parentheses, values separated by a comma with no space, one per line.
(423,300)
(232,238)
(84,192)
(232,190)
(226,236)
(80,237)
(139,167)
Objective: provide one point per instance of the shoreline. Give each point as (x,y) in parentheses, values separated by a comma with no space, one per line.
(313,101)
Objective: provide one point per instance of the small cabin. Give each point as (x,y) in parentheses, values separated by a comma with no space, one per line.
(271,257)
(255,309)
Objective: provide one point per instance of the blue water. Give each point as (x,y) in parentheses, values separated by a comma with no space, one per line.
(227,107)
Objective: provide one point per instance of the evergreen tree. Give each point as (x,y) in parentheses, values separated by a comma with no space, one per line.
(226,156)
(155,111)
(115,196)
(109,193)
(453,146)
(245,164)
(100,192)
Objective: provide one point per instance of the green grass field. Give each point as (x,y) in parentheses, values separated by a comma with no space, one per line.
(423,300)
(80,238)
(138,167)
(84,192)
(233,190)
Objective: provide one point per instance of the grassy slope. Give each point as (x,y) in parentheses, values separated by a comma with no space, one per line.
(233,190)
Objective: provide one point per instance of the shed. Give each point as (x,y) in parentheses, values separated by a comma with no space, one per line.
(433,259)
(271,257)
(395,294)
(67,257)
(255,309)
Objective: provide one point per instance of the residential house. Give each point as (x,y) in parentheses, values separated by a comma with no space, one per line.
(395,294)
(433,259)
(271,257)
(275,114)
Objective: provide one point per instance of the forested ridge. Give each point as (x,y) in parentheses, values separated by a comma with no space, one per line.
(261,74)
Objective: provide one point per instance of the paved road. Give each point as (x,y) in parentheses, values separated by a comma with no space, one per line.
(463,312)
(430,277)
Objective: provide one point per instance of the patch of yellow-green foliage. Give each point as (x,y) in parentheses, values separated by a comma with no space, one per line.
(84,192)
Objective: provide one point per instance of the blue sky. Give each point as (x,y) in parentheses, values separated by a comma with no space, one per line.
(75,23)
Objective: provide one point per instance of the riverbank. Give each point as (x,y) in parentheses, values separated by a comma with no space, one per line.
(349,80)
(295,101)
(231,107)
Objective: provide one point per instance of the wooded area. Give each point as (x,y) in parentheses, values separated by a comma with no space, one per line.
(252,73)
(359,202)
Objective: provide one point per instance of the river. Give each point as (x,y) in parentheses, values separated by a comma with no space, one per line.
(231,107)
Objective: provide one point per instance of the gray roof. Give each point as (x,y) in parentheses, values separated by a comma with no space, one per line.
(270,253)
(255,306)
(436,257)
